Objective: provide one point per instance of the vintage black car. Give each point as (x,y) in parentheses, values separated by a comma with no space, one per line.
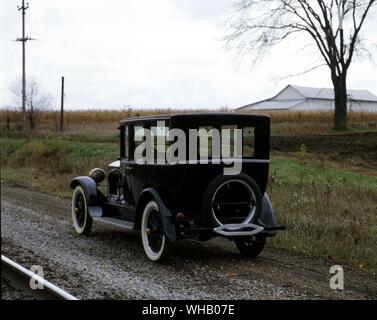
(189,198)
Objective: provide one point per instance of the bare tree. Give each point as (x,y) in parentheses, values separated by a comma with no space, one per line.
(332,25)
(35,100)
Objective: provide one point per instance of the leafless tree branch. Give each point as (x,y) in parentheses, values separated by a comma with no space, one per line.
(333,25)
(35,100)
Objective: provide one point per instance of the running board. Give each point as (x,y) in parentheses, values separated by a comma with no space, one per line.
(115,222)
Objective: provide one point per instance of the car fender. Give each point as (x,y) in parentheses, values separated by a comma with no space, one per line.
(92,194)
(168,222)
(267,216)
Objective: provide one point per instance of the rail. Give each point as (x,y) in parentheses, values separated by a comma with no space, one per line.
(20,278)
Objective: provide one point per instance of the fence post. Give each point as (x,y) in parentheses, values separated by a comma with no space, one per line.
(62,107)
(8,122)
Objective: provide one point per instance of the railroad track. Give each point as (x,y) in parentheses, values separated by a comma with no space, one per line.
(20,277)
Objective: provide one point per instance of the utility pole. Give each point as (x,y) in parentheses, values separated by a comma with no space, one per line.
(23,8)
(62,107)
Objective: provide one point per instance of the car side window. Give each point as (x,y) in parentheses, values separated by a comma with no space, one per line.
(139,135)
(160,142)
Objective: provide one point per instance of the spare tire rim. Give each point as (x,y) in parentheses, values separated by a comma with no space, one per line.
(234,201)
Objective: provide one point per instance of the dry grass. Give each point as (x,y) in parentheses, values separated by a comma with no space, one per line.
(283,122)
(318,117)
(84,119)
(49,163)
(329,213)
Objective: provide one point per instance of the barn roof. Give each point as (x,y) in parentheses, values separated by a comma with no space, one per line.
(328,93)
(276,103)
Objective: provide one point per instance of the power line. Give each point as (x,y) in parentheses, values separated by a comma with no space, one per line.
(24,38)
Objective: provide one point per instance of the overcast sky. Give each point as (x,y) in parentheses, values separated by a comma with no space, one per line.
(149,54)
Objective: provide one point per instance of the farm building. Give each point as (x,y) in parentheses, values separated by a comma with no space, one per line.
(298,98)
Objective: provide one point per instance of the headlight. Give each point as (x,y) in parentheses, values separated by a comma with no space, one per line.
(97,174)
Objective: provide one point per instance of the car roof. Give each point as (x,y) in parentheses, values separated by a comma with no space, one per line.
(194,116)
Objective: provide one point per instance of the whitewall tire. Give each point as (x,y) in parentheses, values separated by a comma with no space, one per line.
(156,245)
(82,221)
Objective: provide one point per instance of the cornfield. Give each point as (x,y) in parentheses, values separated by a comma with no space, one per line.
(282,121)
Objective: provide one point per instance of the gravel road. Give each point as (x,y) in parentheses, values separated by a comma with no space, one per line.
(110,264)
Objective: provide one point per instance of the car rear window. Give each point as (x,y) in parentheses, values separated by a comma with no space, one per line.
(205,141)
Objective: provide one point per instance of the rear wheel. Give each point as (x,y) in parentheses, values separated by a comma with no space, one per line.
(250,247)
(82,221)
(156,245)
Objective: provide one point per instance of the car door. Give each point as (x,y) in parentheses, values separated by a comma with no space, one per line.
(125,159)
(135,174)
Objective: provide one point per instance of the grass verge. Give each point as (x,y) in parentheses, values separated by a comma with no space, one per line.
(330,213)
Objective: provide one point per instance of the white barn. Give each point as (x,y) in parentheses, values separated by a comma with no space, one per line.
(298,98)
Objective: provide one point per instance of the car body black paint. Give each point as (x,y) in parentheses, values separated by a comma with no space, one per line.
(177,188)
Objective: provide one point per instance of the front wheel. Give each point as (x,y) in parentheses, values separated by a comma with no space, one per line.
(250,247)
(82,221)
(155,243)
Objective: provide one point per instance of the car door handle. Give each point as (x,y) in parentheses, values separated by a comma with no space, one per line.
(128,168)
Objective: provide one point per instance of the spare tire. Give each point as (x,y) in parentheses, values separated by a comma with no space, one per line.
(232,199)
